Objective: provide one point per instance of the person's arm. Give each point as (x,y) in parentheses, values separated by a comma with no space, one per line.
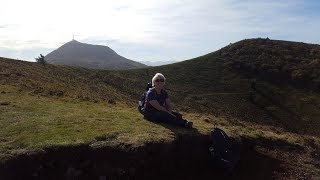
(156,105)
(168,105)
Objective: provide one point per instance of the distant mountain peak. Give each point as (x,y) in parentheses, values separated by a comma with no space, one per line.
(75,53)
(74,41)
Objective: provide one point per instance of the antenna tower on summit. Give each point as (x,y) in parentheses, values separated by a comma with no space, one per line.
(73,37)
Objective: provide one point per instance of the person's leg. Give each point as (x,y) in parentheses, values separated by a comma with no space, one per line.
(165,117)
(187,123)
(160,116)
(179,118)
(178,115)
(168,118)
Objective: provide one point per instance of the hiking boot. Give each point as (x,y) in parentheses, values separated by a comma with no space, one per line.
(188,124)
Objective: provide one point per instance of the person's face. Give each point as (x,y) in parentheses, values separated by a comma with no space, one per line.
(159,83)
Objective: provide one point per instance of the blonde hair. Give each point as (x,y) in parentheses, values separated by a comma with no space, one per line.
(157,76)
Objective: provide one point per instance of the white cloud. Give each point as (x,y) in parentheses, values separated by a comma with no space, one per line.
(151,29)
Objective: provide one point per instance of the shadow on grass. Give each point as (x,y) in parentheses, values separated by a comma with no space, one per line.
(179,130)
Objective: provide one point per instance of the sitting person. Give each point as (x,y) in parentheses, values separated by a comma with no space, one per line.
(157,106)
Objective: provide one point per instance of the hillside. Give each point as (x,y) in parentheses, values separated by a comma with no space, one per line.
(219,84)
(75,110)
(280,62)
(75,53)
(210,84)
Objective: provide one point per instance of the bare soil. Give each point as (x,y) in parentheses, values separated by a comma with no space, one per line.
(185,158)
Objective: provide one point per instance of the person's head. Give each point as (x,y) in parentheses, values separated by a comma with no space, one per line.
(158,80)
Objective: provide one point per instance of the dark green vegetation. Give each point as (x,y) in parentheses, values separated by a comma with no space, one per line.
(280,62)
(235,87)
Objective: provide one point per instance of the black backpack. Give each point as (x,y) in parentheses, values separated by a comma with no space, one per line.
(141,102)
(221,150)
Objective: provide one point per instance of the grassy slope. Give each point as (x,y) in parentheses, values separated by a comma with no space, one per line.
(55,80)
(277,61)
(209,85)
(206,84)
(30,122)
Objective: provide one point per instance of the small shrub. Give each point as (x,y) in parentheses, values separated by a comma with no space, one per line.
(41,60)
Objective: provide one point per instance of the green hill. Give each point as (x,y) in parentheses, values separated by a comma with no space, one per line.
(236,87)
(282,62)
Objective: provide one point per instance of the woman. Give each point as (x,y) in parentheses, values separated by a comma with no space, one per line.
(158,107)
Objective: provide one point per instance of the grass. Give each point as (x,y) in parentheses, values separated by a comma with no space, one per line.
(32,122)
(202,85)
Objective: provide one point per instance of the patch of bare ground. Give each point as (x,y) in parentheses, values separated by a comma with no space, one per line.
(185,158)
(295,162)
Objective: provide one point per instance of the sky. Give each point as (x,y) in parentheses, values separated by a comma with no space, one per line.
(152,30)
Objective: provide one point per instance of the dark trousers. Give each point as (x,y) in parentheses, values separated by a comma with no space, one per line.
(161,116)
